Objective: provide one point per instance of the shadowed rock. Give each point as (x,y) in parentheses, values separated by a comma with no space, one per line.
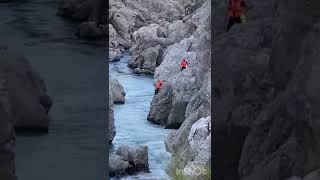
(265,74)
(7,134)
(27,98)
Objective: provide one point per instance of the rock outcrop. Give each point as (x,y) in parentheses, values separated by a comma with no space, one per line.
(117,166)
(265,100)
(116,96)
(117,91)
(128,159)
(24,105)
(26,93)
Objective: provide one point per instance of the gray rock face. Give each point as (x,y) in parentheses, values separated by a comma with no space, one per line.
(128,160)
(159,37)
(116,44)
(188,108)
(118,93)
(160,106)
(185,85)
(264,91)
(136,156)
(116,96)
(29,104)
(200,140)
(117,165)
(149,27)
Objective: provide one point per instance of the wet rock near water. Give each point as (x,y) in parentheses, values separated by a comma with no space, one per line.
(116,96)
(117,91)
(160,106)
(28,102)
(24,105)
(128,160)
(117,166)
(112,127)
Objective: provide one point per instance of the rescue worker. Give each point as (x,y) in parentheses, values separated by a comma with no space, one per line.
(159,85)
(236,12)
(184,64)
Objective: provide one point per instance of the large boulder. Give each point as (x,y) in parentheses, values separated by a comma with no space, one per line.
(136,156)
(27,97)
(128,160)
(152,40)
(146,39)
(117,166)
(118,93)
(160,106)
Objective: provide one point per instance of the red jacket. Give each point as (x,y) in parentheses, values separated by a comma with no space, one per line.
(236,8)
(159,84)
(184,63)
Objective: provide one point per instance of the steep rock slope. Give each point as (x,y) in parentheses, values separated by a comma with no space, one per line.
(266,121)
(183,89)
(184,103)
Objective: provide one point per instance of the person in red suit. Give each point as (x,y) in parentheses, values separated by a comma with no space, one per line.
(159,85)
(236,12)
(184,64)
